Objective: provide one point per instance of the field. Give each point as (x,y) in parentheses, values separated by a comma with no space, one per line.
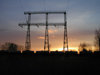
(48,65)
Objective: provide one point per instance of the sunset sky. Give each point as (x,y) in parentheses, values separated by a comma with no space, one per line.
(83,18)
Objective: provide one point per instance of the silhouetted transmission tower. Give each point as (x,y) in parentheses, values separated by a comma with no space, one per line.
(46,41)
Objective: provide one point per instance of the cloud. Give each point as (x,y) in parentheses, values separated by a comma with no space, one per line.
(53,36)
(51,31)
(41,37)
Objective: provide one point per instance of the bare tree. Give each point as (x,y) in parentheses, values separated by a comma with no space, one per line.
(84,47)
(5,46)
(11,47)
(20,48)
(97,39)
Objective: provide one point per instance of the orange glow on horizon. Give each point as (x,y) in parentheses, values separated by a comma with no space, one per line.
(70,49)
(58,49)
(61,49)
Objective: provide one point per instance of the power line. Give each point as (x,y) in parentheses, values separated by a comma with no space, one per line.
(67,8)
(22,8)
(44,6)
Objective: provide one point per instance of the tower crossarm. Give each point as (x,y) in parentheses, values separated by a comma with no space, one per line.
(41,24)
(36,12)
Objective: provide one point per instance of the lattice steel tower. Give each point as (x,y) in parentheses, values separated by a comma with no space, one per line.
(46,41)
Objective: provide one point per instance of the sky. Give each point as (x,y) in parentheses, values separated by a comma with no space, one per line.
(83,17)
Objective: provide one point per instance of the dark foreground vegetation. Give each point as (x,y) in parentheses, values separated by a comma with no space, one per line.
(42,63)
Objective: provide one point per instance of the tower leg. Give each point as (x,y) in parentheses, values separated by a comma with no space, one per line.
(65,45)
(46,41)
(28,43)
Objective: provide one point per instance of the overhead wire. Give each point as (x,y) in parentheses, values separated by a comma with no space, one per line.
(67,8)
(45,5)
(23,8)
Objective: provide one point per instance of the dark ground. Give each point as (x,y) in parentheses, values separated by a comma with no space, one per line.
(48,65)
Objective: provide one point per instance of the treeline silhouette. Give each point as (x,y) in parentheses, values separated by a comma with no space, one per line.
(14,49)
(88,47)
(8,46)
(52,53)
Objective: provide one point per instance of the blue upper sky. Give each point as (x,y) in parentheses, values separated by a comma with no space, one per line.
(83,18)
